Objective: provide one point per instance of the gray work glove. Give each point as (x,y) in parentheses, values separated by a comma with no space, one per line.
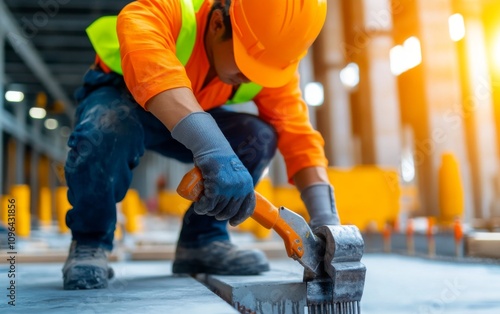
(228,186)
(320,204)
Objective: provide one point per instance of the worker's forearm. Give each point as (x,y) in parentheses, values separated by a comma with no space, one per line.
(309,176)
(172,105)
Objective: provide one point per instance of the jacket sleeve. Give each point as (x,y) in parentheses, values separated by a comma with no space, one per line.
(298,142)
(147,32)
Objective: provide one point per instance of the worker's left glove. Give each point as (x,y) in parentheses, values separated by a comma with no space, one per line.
(320,204)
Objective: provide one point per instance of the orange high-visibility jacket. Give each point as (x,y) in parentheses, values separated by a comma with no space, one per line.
(147,32)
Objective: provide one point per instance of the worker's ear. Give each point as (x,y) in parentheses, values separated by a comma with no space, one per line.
(216,24)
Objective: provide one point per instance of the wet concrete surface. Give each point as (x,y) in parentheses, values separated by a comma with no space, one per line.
(139,287)
(400,284)
(394,284)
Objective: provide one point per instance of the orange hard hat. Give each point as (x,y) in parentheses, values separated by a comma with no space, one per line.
(271,36)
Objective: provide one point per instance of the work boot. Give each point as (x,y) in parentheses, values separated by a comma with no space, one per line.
(219,258)
(86,268)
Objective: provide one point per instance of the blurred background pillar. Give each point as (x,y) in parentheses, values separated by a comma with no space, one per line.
(334,116)
(375,105)
(425,60)
(45,200)
(478,110)
(491,19)
(20,146)
(34,177)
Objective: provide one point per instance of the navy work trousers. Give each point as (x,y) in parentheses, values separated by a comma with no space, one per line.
(111,134)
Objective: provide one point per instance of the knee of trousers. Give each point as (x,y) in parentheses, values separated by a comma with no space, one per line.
(91,145)
(258,145)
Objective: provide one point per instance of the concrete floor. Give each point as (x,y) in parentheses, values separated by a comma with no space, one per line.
(140,287)
(398,284)
(394,284)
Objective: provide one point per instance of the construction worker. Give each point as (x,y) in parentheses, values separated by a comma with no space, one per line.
(164,68)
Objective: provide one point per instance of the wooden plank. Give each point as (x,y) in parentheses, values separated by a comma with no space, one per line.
(484,245)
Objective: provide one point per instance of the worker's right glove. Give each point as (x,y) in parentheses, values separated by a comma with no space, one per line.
(228,186)
(320,204)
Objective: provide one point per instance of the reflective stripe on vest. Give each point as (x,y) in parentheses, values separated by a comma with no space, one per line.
(244,93)
(104,39)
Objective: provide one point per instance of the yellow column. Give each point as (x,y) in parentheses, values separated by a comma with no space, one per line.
(45,197)
(131,205)
(451,192)
(62,207)
(45,209)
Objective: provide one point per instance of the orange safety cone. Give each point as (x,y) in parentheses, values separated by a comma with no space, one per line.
(431,226)
(396,226)
(458,235)
(410,244)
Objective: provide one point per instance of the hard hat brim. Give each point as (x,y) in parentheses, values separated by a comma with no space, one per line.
(258,72)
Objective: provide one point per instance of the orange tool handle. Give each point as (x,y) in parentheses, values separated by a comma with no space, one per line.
(265,213)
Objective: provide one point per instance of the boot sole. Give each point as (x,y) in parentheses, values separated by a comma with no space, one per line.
(86,277)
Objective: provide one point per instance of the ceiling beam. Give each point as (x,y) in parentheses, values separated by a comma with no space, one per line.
(90,5)
(26,134)
(32,58)
(60,41)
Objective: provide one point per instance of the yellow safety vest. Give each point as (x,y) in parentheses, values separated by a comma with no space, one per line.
(102,35)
